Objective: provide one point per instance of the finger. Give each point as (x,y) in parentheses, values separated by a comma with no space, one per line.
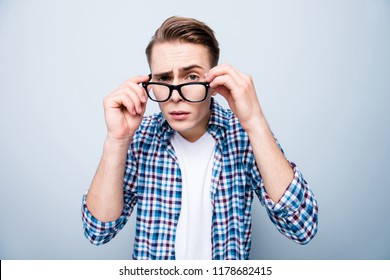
(132,89)
(223,81)
(139,79)
(223,69)
(134,84)
(123,99)
(128,103)
(139,91)
(136,93)
(136,101)
(131,94)
(219,87)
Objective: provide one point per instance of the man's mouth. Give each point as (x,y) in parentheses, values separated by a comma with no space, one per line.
(179,115)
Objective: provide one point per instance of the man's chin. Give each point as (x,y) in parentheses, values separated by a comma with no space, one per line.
(180,126)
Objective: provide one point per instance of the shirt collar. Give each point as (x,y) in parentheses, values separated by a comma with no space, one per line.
(218,121)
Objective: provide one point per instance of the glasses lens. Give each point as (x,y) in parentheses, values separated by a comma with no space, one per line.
(191,92)
(158,92)
(194,92)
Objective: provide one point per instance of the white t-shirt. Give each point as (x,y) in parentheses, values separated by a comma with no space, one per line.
(193,233)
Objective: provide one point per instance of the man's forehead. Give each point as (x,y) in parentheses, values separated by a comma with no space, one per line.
(169,57)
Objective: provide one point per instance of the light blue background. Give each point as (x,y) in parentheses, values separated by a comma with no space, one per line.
(322,73)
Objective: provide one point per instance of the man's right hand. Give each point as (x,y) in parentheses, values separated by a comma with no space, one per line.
(124,109)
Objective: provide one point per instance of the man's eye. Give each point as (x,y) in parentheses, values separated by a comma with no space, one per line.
(193,77)
(164,79)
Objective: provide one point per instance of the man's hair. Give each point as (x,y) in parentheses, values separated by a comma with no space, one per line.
(186,30)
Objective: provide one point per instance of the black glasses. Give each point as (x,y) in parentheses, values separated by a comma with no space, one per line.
(191,92)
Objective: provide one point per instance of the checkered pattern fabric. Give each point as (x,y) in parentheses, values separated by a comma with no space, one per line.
(152,187)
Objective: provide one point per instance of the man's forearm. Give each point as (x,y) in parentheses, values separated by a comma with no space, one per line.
(275,170)
(105,196)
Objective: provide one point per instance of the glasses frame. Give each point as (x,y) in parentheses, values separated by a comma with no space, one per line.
(178,88)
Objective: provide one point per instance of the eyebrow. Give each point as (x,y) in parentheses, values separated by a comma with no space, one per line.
(181,69)
(190,67)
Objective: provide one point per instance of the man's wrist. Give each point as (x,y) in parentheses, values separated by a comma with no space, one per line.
(257,124)
(114,144)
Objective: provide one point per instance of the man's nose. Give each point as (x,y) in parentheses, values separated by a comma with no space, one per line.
(175,97)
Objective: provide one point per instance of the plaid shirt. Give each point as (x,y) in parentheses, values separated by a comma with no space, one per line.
(153,182)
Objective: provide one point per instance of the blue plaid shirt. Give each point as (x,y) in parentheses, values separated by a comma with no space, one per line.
(153,182)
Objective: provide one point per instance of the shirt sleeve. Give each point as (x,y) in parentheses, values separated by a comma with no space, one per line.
(295,215)
(98,232)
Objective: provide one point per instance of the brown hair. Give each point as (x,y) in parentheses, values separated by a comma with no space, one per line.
(187,30)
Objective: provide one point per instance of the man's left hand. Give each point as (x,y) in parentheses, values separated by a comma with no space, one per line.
(239,91)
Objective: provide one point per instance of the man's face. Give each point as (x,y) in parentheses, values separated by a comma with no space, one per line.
(177,63)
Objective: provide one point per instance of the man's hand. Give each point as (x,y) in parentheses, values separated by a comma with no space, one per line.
(238,89)
(124,109)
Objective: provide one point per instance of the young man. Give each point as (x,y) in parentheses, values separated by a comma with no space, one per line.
(190,172)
